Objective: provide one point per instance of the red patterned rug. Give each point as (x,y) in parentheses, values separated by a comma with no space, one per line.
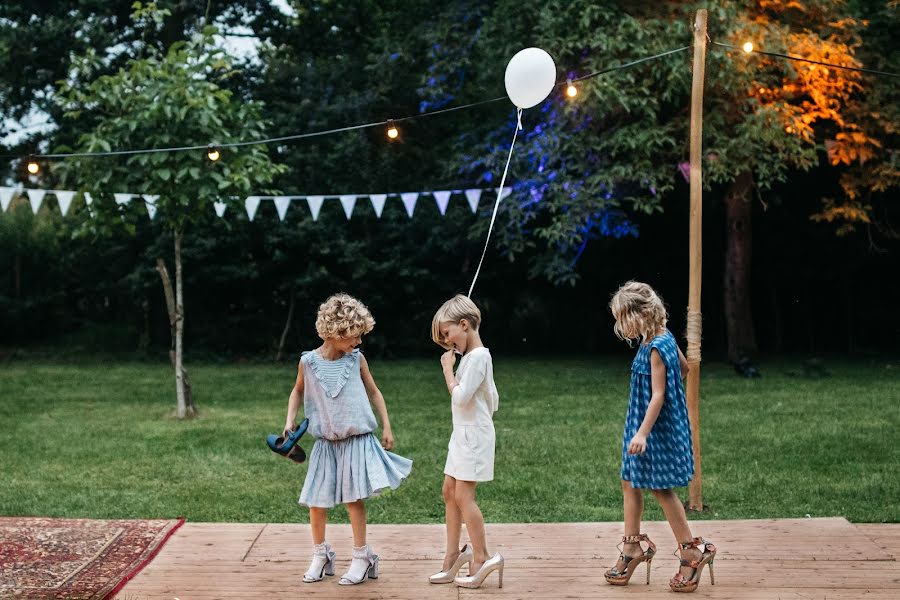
(81,559)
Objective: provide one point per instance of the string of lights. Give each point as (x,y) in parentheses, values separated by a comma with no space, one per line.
(213,151)
(749,49)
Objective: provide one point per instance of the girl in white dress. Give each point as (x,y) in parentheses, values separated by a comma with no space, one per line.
(470,456)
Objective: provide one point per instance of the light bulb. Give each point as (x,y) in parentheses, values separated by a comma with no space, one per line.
(571,90)
(32,166)
(392,132)
(212,153)
(748,47)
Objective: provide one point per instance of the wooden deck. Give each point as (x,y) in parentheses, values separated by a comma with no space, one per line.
(823,559)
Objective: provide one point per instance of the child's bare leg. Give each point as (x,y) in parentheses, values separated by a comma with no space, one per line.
(317,519)
(674,510)
(357,512)
(471,514)
(633,504)
(453,519)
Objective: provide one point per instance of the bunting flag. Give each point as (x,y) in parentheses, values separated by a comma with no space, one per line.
(442,199)
(281,205)
(122,199)
(348,201)
(150,203)
(315,205)
(409,201)
(251,204)
(473,196)
(35,197)
(6,196)
(64,199)
(378,203)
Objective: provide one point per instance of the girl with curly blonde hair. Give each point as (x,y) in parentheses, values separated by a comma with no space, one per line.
(656,446)
(346,464)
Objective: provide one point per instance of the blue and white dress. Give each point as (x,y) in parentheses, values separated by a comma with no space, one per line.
(669,459)
(347,462)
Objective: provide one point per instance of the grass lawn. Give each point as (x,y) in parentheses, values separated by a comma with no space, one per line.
(99,440)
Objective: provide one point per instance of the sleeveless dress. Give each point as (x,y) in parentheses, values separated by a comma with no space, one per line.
(669,458)
(347,462)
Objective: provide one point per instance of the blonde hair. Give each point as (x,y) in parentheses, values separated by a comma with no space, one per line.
(454,310)
(639,312)
(343,316)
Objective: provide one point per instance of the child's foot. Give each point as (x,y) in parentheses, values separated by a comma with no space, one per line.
(363,566)
(322,563)
(449,560)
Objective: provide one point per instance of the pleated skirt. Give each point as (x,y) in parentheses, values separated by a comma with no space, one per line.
(351,469)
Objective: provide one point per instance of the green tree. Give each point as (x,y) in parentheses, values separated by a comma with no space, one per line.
(163,100)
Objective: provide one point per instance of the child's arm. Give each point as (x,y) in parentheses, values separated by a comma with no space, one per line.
(638,443)
(462,391)
(377,400)
(294,403)
(683,363)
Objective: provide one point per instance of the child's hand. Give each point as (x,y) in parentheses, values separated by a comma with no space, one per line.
(387,438)
(448,359)
(288,429)
(638,444)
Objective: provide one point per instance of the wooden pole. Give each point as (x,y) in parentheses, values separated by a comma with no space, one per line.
(694,329)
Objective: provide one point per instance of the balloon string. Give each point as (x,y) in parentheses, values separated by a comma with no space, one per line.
(497,203)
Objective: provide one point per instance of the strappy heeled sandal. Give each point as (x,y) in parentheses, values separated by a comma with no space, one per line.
(680,583)
(616,577)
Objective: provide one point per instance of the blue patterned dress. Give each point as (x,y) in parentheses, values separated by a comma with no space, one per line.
(669,459)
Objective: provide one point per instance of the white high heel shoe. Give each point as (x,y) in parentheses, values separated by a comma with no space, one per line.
(495,563)
(365,561)
(465,556)
(322,563)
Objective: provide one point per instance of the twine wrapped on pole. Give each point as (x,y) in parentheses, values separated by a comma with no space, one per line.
(694,328)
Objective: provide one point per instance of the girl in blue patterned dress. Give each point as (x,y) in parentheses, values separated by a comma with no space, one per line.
(656,445)
(346,463)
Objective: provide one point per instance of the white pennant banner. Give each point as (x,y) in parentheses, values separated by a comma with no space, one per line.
(36,197)
(281,205)
(473,196)
(150,203)
(122,199)
(442,199)
(315,205)
(348,201)
(378,203)
(6,196)
(506,192)
(64,199)
(251,204)
(220,208)
(409,201)
(88,199)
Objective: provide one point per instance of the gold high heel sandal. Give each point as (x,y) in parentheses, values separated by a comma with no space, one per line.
(495,563)
(465,556)
(616,577)
(680,583)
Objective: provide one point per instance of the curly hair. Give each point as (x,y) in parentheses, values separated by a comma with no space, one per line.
(343,316)
(454,310)
(639,311)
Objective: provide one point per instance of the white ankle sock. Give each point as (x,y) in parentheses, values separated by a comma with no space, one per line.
(360,563)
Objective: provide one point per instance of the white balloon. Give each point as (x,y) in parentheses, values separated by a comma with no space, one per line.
(530,77)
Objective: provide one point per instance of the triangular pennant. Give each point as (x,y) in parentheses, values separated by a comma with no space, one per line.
(442,199)
(315,205)
(122,198)
(150,203)
(88,199)
(36,197)
(251,204)
(348,201)
(473,196)
(506,191)
(220,208)
(409,201)
(281,205)
(64,198)
(378,203)
(6,196)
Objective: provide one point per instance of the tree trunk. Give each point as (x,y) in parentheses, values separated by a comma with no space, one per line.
(287,327)
(18,273)
(738,315)
(175,307)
